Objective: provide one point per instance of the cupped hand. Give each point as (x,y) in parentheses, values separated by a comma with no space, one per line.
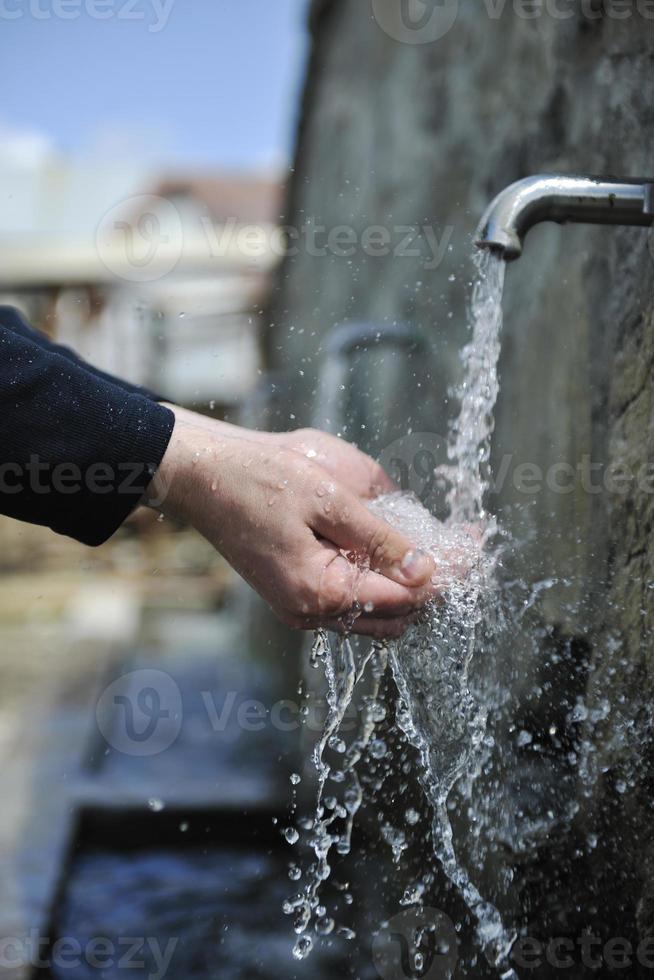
(288,513)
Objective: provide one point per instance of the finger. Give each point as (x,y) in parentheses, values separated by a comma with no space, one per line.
(383,599)
(365,476)
(380,481)
(342,584)
(347,523)
(378,629)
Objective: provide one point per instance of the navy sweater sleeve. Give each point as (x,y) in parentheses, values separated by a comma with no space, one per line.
(78,449)
(15,321)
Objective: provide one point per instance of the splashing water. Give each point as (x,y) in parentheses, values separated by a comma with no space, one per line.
(344,668)
(431,663)
(431,668)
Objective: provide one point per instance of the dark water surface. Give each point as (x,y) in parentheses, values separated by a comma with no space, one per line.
(217,911)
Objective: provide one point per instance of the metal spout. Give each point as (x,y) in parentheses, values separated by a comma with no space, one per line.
(561,198)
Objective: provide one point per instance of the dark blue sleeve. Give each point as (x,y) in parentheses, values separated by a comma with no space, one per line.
(14,320)
(78,449)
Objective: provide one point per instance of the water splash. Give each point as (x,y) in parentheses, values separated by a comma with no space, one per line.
(344,667)
(437,711)
(431,664)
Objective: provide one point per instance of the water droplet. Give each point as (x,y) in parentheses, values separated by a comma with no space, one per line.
(337,744)
(302,948)
(378,711)
(324,926)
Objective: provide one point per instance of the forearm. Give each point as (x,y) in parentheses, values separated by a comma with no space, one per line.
(78,452)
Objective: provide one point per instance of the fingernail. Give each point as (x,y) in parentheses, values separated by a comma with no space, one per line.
(416,564)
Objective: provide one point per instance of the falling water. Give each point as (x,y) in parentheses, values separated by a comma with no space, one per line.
(431,663)
(470,435)
(344,668)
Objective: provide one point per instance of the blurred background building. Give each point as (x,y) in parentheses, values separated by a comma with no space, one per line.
(142,174)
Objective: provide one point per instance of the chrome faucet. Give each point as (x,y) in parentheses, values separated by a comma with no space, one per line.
(561,198)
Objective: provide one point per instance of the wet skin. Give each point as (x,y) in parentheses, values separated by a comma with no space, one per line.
(288,512)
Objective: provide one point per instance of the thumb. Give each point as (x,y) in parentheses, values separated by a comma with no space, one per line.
(352,527)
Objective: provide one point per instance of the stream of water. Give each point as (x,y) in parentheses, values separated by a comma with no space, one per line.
(437,712)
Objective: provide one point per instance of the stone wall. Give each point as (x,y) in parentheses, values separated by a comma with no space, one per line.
(404,134)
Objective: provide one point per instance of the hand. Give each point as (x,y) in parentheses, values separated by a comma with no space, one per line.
(344,461)
(294,525)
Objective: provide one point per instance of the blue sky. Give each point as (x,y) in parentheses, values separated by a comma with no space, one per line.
(178,83)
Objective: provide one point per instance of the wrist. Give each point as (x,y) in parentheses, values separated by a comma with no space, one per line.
(176,479)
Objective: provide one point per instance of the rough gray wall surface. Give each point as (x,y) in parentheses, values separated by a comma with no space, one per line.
(399,134)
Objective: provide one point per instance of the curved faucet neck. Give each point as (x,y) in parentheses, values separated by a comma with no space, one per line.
(561,198)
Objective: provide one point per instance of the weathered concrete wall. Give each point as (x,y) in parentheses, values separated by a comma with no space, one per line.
(400,134)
